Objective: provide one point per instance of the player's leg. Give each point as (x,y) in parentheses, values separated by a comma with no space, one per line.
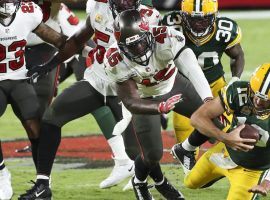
(205,171)
(25,105)
(107,117)
(74,102)
(45,87)
(182,127)
(241,180)
(149,139)
(6,191)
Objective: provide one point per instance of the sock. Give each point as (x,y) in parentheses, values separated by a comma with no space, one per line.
(187,146)
(2,163)
(156,174)
(42,179)
(196,139)
(105,120)
(141,169)
(50,138)
(34,147)
(117,145)
(161,182)
(136,180)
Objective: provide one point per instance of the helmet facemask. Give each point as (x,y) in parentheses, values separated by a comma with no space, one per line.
(261,111)
(140,49)
(8,9)
(199,25)
(118,6)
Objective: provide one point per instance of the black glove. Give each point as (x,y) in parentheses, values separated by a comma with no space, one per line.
(41,70)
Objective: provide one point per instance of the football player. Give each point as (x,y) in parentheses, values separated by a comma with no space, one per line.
(251,102)
(145,63)
(209,36)
(18,19)
(84,97)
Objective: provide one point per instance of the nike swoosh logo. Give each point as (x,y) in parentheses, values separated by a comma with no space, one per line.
(38,194)
(130,168)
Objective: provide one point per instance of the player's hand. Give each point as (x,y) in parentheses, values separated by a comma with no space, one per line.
(167,106)
(234,141)
(37,71)
(263,188)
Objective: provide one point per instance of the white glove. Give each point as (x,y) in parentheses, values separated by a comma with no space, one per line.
(233,79)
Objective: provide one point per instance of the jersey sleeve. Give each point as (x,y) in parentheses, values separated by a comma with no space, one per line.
(177,41)
(37,15)
(172,19)
(115,68)
(90,4)
(151,14)
(228,96)
(235,33)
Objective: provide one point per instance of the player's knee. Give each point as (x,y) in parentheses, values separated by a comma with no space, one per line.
(153,156)
(32,128)
(189,183)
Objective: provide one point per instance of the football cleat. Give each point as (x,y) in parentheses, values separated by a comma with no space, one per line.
(38,192)
(141,190)
(169,191)
(186,158)
(121,170)
(128,186)
(6,191)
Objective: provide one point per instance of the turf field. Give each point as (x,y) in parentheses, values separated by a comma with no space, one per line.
(75,183)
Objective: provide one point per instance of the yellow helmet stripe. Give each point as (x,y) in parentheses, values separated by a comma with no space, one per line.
(264,89)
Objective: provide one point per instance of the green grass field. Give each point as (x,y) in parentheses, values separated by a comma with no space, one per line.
(82,184)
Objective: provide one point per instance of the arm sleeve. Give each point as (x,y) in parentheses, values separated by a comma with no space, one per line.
(187,64)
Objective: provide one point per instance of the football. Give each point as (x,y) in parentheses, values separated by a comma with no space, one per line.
(250,132)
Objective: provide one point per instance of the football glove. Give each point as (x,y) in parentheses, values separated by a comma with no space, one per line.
(167,106)
(41,70)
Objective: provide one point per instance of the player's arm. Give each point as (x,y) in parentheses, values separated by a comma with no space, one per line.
(202,121)
(237,61)
(67,48)
(185,60)
(51,36)
(128,93)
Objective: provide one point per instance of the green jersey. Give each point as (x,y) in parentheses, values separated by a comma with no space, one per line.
(147,3)
(235,100)
(209,50)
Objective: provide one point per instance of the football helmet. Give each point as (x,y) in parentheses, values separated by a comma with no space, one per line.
(199,16)
(118,6)
(133,37)
(8,8)
(259,91)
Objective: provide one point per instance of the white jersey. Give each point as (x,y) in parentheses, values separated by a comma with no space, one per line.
(65,21)
(13,39)
(157,78)
(101,20)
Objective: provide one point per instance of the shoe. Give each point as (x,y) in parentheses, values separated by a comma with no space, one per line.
(164,120)
(122,169)
(169,191)
(6,190)
(128,186)
(141,190)
(186,158)
(37,192)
